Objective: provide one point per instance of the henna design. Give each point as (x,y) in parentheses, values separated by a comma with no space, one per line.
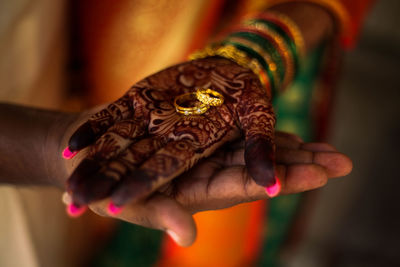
(98,124)
(172,143)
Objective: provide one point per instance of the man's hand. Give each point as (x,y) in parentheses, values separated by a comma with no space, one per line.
(222,181)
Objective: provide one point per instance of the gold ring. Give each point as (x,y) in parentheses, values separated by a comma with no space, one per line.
(181,101)
(209,97)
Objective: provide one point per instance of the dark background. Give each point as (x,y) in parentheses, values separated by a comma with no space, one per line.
(356,220)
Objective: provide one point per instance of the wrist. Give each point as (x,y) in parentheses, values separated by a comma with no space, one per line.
(56,140)
(304,15)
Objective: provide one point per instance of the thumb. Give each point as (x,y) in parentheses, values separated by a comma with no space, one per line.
(158,212)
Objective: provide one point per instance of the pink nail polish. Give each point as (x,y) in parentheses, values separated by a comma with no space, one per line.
(113,209)
(274,189)
(75,211)
(68,154)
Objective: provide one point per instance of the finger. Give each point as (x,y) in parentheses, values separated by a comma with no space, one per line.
(170,161)
(301,177)
(318,147)
(287,135)
(288,152)
(287,140)
(233,153)
(257,123)
(232,186)
(117,138)
(158,212)
(97,182)
(336,164)
(88,132)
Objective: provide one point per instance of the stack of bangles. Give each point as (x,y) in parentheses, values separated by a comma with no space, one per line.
(270,44)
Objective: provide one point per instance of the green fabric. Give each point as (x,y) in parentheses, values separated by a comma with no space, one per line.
(131,246)
(293,110)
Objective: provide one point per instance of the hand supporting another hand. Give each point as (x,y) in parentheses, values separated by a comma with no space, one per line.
(140,151)
(222,181)
(141,142)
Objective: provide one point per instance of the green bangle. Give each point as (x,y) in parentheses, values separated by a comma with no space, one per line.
(276,57)
(290,43)
(253,54)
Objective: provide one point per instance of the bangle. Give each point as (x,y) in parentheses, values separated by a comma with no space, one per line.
(281,46)
(232,53)
(263,58)
(262,41)
(289,27)
(270,44)
(264,25)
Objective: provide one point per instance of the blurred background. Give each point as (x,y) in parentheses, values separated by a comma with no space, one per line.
(357,218)
(355,221)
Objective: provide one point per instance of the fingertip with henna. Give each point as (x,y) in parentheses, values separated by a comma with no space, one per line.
(82,137)
(273,190)
(74,210)
(112,209)
(259,158)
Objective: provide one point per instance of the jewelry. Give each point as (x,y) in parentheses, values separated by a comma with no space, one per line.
(198,109)
(280,45)
(261,24)
(288,26)
(232,53)
(209,97)
(261,56)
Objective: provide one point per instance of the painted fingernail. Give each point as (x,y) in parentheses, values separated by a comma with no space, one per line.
(173,235)
(113,209)
(68,154)
(273,190)
(75,211)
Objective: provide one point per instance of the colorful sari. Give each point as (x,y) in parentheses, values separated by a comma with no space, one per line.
(125,41)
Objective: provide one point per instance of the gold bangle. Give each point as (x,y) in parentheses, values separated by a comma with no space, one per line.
(294,31)
(239,57)
(261,51)
(198,109)
(209,97)
(282,49)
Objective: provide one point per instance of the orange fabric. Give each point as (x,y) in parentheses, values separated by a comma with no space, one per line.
(226,238)
(127,40)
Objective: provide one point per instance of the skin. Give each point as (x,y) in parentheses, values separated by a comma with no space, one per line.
(33,140)
(143,143)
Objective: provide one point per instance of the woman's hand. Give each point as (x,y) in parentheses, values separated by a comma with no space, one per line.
(139,143)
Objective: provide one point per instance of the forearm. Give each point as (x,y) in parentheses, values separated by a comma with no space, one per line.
(30,144)
(314,22)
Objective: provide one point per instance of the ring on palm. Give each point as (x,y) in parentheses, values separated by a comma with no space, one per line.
(209,97)
(187,104)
